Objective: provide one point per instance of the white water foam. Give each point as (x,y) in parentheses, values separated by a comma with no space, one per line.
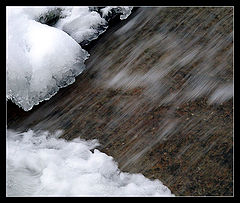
(41,164)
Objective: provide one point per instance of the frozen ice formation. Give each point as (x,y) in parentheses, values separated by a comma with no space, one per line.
(81,24)
(44,50)
(124,10)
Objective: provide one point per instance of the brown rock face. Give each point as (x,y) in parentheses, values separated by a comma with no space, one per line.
(157,94)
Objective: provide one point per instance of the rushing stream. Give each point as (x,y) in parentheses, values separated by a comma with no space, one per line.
(149,114)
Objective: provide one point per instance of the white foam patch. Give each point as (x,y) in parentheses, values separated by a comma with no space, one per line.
(41,164)
(221,94)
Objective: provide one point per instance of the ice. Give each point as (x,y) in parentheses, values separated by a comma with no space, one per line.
(56,167)
(82,24)
(124,10)
(44,50)
(40,60)
(85,25)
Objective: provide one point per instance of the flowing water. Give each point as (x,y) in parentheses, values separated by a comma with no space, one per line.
(157,94)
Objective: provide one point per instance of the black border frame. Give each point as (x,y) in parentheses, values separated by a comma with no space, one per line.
(137,3)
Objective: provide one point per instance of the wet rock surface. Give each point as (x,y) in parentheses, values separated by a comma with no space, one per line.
(157,94)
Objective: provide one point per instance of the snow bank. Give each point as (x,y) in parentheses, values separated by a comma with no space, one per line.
(55,167)
(43,49)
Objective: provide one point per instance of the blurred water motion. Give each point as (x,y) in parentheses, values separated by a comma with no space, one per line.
(157,94)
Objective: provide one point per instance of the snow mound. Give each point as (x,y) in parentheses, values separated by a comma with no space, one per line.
(56,167)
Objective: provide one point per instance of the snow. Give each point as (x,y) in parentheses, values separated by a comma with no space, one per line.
(56,167)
